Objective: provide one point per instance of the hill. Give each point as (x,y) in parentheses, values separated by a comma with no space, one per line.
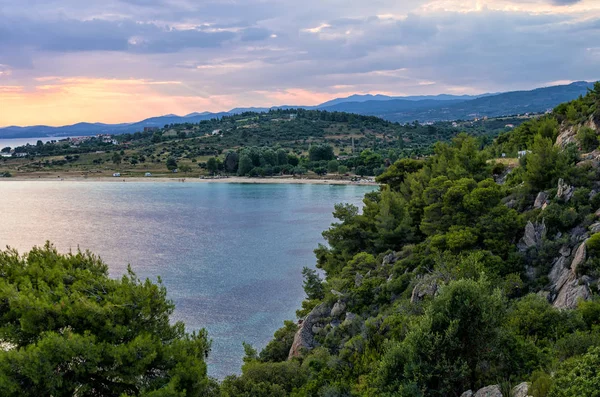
(396,109)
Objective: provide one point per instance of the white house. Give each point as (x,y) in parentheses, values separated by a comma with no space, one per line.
(522,153)
(117,174)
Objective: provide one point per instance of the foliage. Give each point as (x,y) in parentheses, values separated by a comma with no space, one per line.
(72,330)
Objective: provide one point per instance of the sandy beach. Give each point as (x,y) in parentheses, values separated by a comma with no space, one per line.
(236,179)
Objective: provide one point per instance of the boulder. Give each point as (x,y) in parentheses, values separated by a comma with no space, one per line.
(468,393)
(358,279)
(534,235)
(571,293)
(540,200)
(427,286)
(579,258)
(597,213)
(595,228)
(349,318)
(489,391)
(565,251)
(304,338)
(338,309)
(566,288)
(520,390)
(390,259)
(564,192)
(578,233)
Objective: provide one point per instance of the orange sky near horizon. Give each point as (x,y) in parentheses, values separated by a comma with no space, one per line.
(57,102)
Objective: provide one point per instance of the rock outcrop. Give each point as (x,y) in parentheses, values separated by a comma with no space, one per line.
(305,336)
(567,289)
(533,237)
(338,309)
(568,134)
(489,391)
(426,286)
(564,192)
(521,390)
(540,200)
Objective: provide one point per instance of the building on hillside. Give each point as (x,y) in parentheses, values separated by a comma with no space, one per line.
(522,153)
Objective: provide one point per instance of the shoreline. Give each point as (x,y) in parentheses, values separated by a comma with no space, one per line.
(237,179)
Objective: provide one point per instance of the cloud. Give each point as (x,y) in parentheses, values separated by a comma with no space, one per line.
(260,52)
(564,2)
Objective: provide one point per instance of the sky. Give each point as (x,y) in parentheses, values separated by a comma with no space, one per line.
(66,61)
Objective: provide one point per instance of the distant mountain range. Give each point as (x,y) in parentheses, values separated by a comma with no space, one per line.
(398,109)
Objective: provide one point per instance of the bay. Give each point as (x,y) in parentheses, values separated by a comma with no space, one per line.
(15,142)
(230,255)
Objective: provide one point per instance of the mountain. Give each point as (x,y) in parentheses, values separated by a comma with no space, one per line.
(398,109)
(379,97)
(508,103)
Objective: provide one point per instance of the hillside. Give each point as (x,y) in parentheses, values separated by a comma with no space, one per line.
(395,109)
(461,273)
(352,144)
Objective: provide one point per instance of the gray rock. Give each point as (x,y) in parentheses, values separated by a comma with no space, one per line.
(358,279)
(468,393)
(534,235)
(540,200)
(565,250)
(390,258)
(349,318)
(571,293)
(316,329)
(595,228)
(489,391)
(597,213)
(338,309)
(427,286)
(564,192)
(579,258)
(578,233)
(520,390)
(566,289)
(304,338)
(336,293)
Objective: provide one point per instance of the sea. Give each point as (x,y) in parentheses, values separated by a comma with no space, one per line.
(15,142)
(230,255)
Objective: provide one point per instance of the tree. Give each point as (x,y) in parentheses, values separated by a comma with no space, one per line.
(73,330)
(541,164)
(578,376)
(282,157)
(171,164)
(320,153)
(362,170)
(588,140)
(116,158)
(211,165)
(231,162)
(185,168)
(5,149)
(245,165)
(293,160)
(342,169)
(333,166)
(313,284)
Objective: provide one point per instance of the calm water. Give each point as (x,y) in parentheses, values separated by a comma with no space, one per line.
(229,254)
(13,143)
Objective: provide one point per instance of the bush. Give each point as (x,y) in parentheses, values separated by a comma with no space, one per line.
(588,139)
